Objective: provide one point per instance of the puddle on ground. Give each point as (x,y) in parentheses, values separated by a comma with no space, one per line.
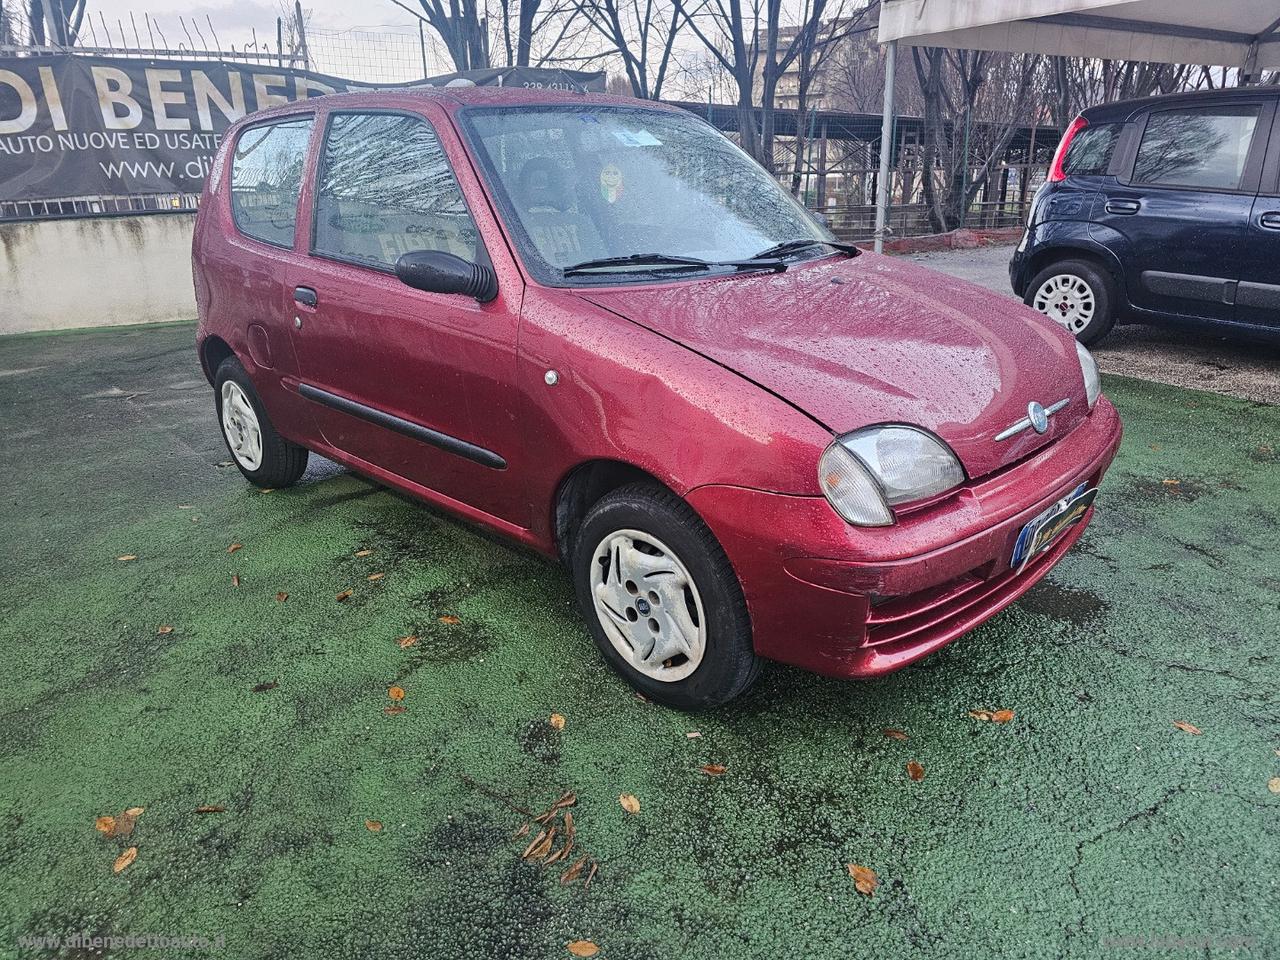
(1067,604)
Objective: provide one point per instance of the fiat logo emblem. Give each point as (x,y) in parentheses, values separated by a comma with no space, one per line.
(1038,417)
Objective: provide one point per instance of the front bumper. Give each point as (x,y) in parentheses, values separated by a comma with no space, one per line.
(848,601)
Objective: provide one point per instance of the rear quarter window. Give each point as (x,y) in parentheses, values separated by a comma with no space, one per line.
(1206,147)
(1091,150)
(266,179)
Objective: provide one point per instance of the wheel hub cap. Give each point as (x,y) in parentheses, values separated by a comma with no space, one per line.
(1068,299)
(648,605)
(240,426)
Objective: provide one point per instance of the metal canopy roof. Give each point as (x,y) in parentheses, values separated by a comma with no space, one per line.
(1233,33)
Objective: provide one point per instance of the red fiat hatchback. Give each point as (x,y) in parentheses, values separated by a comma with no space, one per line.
(594,325)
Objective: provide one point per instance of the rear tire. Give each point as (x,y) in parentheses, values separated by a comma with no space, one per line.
(1078,295)
(661,599)
(265,458)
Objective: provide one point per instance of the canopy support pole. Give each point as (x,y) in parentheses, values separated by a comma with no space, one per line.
(886,146)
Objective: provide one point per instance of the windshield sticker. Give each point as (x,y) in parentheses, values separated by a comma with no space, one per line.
(589,118)
(636,138)
(610,183)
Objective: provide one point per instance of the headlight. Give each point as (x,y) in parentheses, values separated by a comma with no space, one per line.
(1089,367)
(865,473)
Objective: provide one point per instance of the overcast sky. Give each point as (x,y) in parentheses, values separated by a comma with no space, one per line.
(234,20)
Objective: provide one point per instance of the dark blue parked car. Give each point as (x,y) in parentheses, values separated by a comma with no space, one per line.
(1157,211)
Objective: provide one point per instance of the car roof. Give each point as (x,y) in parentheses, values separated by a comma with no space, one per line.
(1123,110)
(455,98)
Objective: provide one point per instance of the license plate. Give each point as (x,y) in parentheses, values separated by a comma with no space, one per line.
(1043,529)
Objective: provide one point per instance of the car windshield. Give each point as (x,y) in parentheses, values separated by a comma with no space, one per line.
(660,190)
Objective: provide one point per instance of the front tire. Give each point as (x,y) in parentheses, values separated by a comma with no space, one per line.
(1078,295)
(661,599)
(265,458)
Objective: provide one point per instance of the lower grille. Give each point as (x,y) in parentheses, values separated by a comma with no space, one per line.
(960,603)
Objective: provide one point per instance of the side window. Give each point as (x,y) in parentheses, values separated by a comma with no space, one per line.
(266,178)
(385,189)
(1090,152)
(1207,147)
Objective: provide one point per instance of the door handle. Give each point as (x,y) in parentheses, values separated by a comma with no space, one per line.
(305,296)
(1270,220)
(1123,207)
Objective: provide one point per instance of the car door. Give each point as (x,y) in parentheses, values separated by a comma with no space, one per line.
(1177,215)
(1258,296)
(415,383)
(246,249)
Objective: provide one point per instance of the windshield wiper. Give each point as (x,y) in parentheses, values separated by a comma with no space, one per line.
(802,243)
(667,260)
(636,260)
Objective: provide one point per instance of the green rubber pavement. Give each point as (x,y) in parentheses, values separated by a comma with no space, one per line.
(1087,826)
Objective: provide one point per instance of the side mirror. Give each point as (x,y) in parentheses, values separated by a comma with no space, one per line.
(438,272)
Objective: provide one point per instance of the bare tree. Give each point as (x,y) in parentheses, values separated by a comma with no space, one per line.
(811,51)
(637,32)
(974,102)
(54,21)
(464,29)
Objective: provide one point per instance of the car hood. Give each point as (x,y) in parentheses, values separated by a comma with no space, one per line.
(866,340)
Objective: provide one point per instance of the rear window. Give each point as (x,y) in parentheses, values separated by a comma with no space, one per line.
(266,178)
(1090,152)
(1205,148)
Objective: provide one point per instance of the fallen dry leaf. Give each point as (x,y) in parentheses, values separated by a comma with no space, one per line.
(407,642)
(980,714)
(373,826)
(1187,728)
(629,802)
(105,825)
(1274,784)
(557,721)
(864,879)
(127,557)
(363,553)
(375,577)
(235,579)
(281,597)
(265,686)
(135,811)
(572,873)
(450,620)
(915,770)
(161,631)
(533,844)
(590,873)
(210,808)
(234,547)
(1171,483)
(712,769)
(583,948)
(1002,716)
(693,734)
(893,733)
(541,847)
(395,693)
(392,711)
(125,859)
(344,596)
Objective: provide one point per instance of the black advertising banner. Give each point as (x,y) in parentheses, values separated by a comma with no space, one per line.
(73,126)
